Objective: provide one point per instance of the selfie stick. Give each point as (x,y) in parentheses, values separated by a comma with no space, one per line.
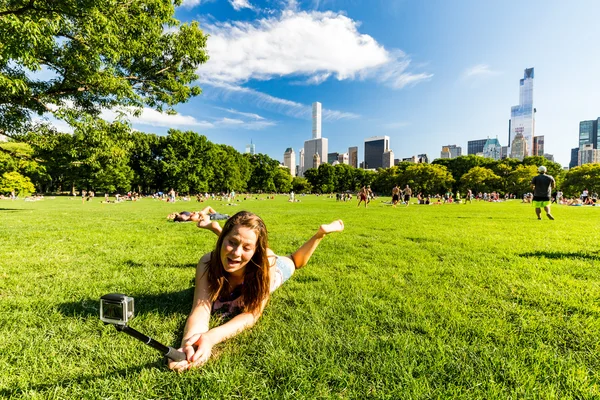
(167,351)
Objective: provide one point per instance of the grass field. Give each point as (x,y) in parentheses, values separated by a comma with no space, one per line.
(455,301)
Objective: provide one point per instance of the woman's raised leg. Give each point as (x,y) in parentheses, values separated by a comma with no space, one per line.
(303,254)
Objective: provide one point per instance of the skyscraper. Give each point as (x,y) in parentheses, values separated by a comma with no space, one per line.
(316,120)
(374,148)
(344,158)
(538,145)
(519,148)
(475,146)
(301,163)
(587,154)
(588,133)
(331,157)
(387,160)
(453,151)
(289,160)
(353,156)
(492,149)
(522,116)
(318,144)
(574,158)
(251,148)
(445,153)
(316,161)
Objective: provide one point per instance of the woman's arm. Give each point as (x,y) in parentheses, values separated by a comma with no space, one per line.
(201,344)
(198,320)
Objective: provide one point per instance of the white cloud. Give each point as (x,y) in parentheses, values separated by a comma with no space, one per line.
(316,45)
(479,70)
(59,125)
(239,4)
(227,91)
(245,114)
(152,117)
(194,3)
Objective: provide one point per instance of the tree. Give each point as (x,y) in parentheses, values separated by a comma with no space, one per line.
(519,181)
(187,162)
(231,170)
(283,180)
(264,169)
(480,179)
(301,185)
(427,178)
(10,181)
(99,54)
(19,157)
(326,178)
(344,175)
(312,176)
(461,165)
(145,161)
(586,176)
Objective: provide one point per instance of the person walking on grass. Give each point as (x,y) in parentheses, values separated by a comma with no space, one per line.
(362,196)
(407,193)
(542,186)
(395,196)
(237,277)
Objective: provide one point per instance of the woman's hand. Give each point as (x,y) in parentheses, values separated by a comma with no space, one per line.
(179,366)
(197,349)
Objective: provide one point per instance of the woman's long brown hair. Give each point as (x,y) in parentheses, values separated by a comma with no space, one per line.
(256,276)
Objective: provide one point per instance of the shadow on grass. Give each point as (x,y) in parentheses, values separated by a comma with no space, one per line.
(562,255)
(419,239)
(163,303)
(69,382)
(11,209)
(135,264)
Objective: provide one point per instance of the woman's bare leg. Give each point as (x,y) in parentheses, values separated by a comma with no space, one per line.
(303,254)
(206,223)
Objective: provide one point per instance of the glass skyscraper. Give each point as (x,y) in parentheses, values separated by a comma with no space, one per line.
(475,146)
(374,149)
(588,133)
(522,117)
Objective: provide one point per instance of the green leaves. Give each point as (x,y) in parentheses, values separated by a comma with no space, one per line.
(103,53)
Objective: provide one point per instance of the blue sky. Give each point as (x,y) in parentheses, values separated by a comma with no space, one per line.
(424,73)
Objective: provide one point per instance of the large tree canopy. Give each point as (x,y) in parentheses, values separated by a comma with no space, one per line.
(72,56)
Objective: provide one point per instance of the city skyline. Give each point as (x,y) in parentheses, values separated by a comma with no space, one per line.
(424,74)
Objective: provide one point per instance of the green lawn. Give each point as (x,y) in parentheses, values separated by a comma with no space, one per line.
(454,301)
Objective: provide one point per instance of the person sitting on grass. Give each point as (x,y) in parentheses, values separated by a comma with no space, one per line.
(238,275)
(195,216)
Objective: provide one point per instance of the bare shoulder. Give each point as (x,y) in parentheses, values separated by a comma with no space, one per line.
(204,260)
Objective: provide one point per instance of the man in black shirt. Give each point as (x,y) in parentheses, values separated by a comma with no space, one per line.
(542,186)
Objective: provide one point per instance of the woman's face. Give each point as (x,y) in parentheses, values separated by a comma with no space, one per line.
(238,248)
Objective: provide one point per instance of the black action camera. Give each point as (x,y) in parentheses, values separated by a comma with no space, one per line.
(117,309)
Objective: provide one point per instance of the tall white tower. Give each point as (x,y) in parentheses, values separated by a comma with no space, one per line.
(316,120)
(522,117)
(318,144)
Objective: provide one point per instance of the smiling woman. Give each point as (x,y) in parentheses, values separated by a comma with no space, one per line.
(237,277)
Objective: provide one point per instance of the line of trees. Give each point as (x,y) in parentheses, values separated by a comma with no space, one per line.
(111,157)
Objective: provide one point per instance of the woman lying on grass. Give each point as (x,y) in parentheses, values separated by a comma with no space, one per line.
(238,275)
(195,216)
